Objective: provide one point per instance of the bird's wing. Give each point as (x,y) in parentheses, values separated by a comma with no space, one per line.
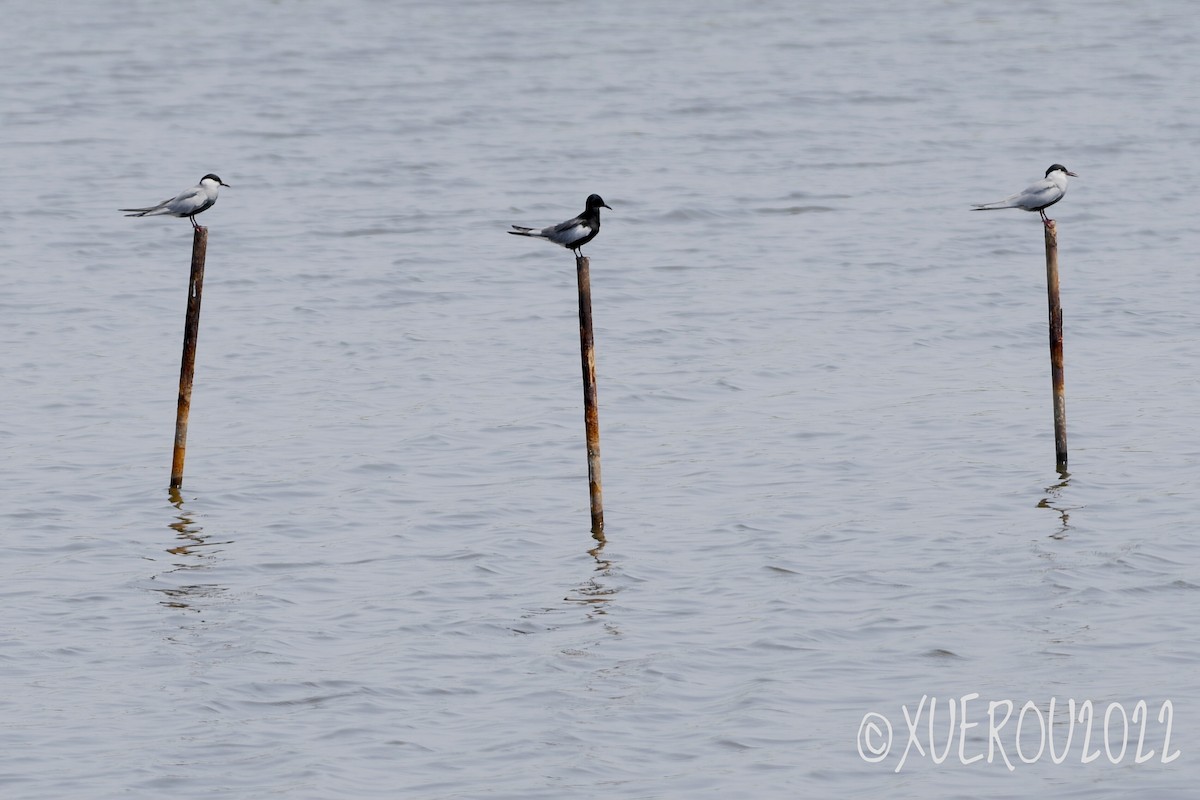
(163,204)
(1041,193)
(1026,198)
(567,232)
(189,201)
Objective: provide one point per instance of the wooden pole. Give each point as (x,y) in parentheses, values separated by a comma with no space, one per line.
(591,414)
(1056,346)
(191,328)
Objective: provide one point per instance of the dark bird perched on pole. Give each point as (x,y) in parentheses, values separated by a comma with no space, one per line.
(574,233)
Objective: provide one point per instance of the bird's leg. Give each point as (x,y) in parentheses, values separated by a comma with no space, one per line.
(1045,220)
(192,219)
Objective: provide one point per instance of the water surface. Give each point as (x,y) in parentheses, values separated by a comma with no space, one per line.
(825,407)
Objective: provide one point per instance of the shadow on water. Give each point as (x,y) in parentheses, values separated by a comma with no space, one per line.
(189,555)
(1054,501)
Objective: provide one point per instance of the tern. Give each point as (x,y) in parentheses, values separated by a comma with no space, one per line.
(187,203)
(574,233)
(1038,196)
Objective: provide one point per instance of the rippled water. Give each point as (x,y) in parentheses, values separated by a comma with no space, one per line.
(825,404)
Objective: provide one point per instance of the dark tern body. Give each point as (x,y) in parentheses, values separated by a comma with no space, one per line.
(574,233)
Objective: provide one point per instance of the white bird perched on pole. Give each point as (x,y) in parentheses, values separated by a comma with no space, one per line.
(1038,196)
(187,203)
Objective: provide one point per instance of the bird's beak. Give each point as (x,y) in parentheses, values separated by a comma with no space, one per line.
(1072,174)
(607,206)
(226,185)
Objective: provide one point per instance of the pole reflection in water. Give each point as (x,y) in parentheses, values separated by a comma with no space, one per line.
(594,591)
(1053,501)
(190,544)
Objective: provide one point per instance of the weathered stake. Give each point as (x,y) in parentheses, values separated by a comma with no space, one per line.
(591,413)
(1056,346)
(191,328)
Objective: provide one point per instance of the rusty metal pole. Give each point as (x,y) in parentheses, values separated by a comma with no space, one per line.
(191,328)
(1056,346)
(591,413)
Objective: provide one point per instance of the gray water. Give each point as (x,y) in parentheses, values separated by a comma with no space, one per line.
(824,385)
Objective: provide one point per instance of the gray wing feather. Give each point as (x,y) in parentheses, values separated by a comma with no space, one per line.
(163,204)
(566,232)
